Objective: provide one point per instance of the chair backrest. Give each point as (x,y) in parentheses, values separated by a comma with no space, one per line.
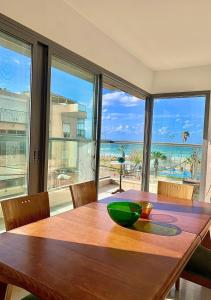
(24,210)
(182,191)
(83,193)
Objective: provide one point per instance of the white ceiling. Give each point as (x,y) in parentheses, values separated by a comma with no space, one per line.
(163,34)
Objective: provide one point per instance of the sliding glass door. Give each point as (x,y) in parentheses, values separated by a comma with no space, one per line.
(68,91)
(71,133)
(177,141)
(122,136)
(15,101)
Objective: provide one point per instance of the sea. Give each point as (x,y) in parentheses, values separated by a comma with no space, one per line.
(175,151)
(176,155)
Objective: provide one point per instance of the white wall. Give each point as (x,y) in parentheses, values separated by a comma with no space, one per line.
(181,80)
(60,23)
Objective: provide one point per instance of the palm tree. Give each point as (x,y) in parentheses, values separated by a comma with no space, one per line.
(136,158)
(122,157)
(193,162)
(185,135)
(122,149)
(157,156)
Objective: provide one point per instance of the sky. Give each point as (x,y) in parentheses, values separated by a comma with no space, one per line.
(123,118)
(174,116)
(15,71)
(15,76)
(122,115)
(77,89)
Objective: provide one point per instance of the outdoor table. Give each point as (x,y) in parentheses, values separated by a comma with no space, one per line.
(120,189)
(83,254)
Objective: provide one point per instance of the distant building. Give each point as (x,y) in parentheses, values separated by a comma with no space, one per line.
(68,125)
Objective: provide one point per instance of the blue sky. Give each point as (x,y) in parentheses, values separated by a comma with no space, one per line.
(173,116)
(123,118)
(123,114)
(77,89)
(15,76)
(15,70)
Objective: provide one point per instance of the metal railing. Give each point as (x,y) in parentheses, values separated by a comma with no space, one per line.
(14,116)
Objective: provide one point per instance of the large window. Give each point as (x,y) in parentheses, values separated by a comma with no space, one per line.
(15,100)
(71,138)
(177,125)
(122,135)
(177,141)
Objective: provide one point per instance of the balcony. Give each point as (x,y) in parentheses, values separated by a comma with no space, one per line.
(13,116)
(180,163)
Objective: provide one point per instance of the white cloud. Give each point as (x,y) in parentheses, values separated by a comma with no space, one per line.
(16,61)
(121,98)
(187,124)
(121,116)
(119,128)
(163,130)
(108,117)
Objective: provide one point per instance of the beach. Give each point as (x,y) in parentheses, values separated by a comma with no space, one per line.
(181,161)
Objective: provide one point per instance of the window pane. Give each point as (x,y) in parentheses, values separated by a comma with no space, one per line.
(122,135)
(15,98)
(177,141)
(71,140)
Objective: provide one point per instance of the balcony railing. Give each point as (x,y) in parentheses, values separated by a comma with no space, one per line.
(82,107)
(81,132)
(13,116)
(176,161)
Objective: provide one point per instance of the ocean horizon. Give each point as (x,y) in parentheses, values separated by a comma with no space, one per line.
(171,150)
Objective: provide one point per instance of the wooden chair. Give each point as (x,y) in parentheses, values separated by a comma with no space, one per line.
(182,191)
(83,193)
(24,210)
(21,211)
(198,269)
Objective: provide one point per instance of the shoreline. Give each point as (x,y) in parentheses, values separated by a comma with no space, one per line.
(172,151)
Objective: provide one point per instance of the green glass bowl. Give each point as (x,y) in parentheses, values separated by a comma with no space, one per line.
(124,213)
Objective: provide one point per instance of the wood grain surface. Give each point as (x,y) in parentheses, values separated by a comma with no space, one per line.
(24,210)
(182,191)
(83,193)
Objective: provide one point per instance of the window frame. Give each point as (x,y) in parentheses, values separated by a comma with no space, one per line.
(205,94)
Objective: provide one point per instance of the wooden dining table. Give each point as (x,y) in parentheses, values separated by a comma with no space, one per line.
(83,254)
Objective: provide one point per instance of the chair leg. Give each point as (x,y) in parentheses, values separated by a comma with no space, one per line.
(3,290)
(177,284)
(8,292)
